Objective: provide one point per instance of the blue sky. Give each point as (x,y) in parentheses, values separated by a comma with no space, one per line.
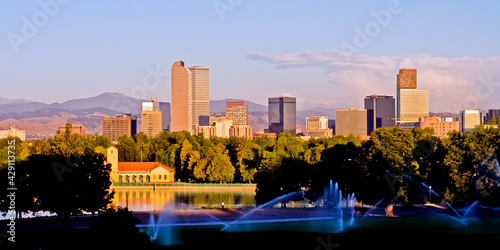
(255,49)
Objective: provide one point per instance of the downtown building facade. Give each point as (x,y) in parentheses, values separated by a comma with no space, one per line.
(237,111)
(381,110)
(411,102)
(441,125)
(317,127)
(13,132)
(351,121)
(190,98)
(491,114)
(282,115)
(470,119)
(74,130)
(118,126)
(151,118)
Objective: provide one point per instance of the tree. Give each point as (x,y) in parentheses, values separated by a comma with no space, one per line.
(69,185)
(219,166)
(127,148)
(249,160)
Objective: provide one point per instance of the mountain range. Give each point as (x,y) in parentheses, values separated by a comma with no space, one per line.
(42,120)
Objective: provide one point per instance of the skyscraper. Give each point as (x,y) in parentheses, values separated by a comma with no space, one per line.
(181,98)
(237,111)
(351,122)
(381,110)
(282,113)
(151,120)
(470,119)
(165,115)
(201,95)
(412,103)
(190,97)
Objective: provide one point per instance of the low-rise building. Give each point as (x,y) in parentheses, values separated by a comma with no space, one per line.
(13,132)
(441,125)
(75,129)
(245,131)
(137,172)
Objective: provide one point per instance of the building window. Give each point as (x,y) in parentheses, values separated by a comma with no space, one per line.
(147,178)
(159,177)
(165,177)
(120,178)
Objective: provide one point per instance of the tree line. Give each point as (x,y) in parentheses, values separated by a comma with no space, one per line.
(394,163)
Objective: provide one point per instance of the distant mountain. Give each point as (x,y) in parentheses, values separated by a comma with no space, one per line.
(45,122)
(4,100)
(113,101)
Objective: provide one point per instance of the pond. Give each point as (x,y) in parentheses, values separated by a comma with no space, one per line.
(149,199)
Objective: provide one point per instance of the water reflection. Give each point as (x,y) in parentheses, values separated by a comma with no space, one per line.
(147,199)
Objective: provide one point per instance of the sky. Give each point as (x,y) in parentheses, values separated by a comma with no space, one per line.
(325,53)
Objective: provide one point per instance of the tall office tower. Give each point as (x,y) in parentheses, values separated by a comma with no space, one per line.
(282,113)
(351,122)
(201,95)
(412,103)
(151,120)
(381,110)
(238,112)
(165,116)
(317,127)
(116,127)
(181,103)
(470,119)
(492,114)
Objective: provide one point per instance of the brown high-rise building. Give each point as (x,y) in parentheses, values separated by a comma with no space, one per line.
(407,79)
(190,102)
(411,103)
(238,112)
(181,104)
(115,127)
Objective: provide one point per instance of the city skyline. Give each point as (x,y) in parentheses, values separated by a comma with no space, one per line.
(246,51)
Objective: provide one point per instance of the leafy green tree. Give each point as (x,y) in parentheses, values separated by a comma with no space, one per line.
(219,166)
(249,160)
(127,149)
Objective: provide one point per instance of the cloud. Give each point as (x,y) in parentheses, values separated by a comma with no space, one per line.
(453,83)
